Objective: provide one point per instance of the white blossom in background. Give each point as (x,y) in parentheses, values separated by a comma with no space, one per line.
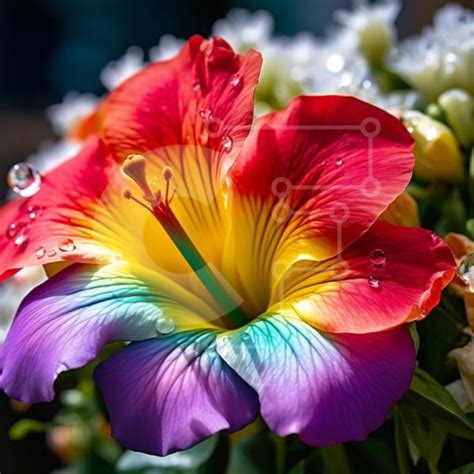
(442,57)
(74,108)
(464,357)
(370,27)
(12,293)
(120,70)
(244,29)
(167,48)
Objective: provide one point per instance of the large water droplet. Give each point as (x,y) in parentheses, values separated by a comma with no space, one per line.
(21,240)
(235,80)
(466,271)
(12,230)
(165,325)
(24,179)
(205,113)
(67,245)
(40,252)
(373,281)
(227,144)
(378,257)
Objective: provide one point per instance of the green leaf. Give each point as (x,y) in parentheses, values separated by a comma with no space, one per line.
(189,459)
(426,438)
(401,446)
(335,460)
(23,428)
(467,469)
(256,454)
(434,402)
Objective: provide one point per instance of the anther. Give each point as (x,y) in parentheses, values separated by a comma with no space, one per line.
(127,194)
(135,168)
(168,174)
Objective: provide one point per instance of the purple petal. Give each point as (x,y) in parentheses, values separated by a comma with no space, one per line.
(170,393)
(328,389)
(64,323)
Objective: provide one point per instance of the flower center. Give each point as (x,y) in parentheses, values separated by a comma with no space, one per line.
(159,205)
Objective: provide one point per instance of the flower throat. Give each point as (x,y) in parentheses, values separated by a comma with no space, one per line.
(159,205)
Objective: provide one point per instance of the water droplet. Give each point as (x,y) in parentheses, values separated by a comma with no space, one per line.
(373,281)
(339,162)
(21,240)
(40,252)
(205,113)
(52,252)
(24,179)
(246,336)
(12,231)
(33,212)
(434,237)
(165,325)
(67,245)
(227,143)
(466,271)
(196,86)
(235,80)
(378,257)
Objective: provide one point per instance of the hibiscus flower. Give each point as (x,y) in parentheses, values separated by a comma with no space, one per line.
(248,273)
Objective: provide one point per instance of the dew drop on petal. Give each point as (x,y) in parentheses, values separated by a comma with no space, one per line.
(205,113)
(227,144)
(33,212)
(339,162)
(434,237)
(52,252)
(378,257)
(165,325)
(12,231)
(67,245)
(373,281)
(235,80)
(40,252)
(246,336)
(24,179)
(466,271)
(196,86)
(21,240)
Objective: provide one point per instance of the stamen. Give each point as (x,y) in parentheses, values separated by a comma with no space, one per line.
(135,168)
(168,174)
(127,194)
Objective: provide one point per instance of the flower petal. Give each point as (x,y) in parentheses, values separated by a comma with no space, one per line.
(64,323)
(389,276)
(310,180)
(327,389)
(192,114)
(32,229)
(168,394)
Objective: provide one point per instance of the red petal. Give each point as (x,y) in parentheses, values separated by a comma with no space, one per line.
(334,162)
(200,97)
(62,210)
(391,275)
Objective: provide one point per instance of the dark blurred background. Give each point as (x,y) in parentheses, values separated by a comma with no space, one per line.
(50,47)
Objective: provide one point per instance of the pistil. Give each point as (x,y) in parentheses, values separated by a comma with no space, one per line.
(160,206)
